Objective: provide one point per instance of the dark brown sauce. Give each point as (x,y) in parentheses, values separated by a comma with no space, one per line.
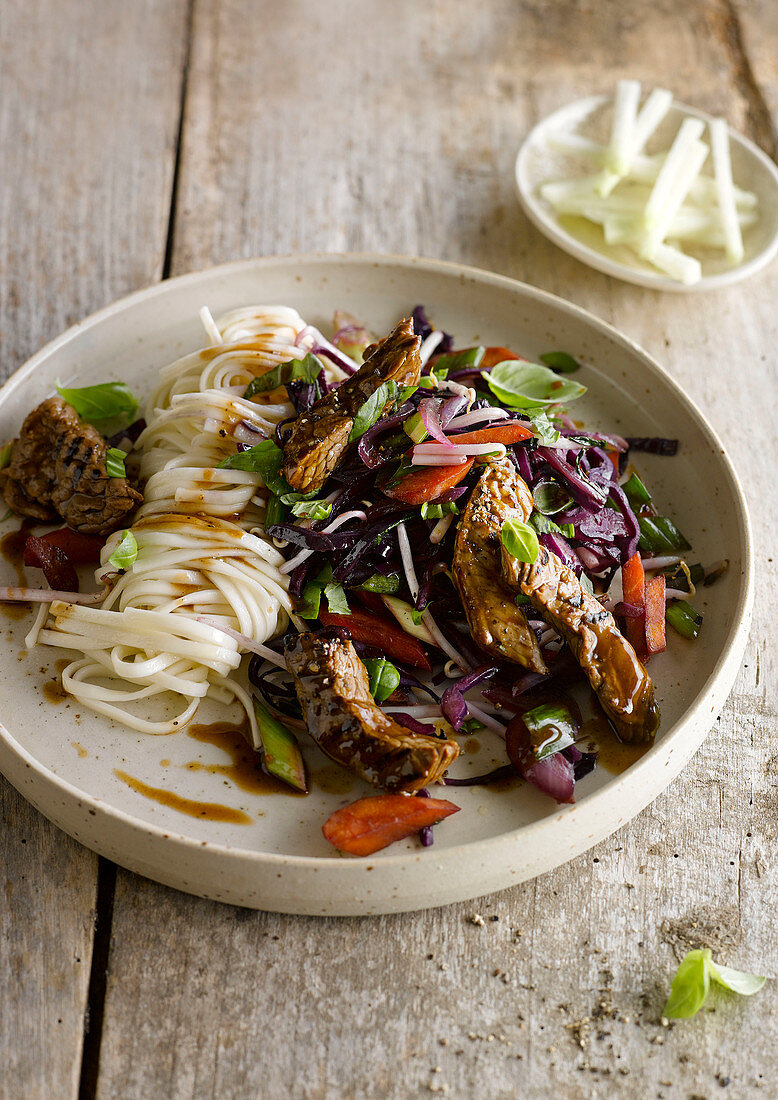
(244,769)
(210,811)
(53,691)
(472,745)
(613,755)
(12,550)
(333,779)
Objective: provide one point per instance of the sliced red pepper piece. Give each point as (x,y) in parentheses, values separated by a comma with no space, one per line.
(633,583)
(370,824)
(381,632)
(80,549)
(509,432)
(56,565)
(494,355)
(656,640)
(424,483)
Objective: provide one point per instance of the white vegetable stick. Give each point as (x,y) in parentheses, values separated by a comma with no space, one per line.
(690,131)
(687,172)
(566,141)
(651,114)
(625,107)
(722,168)
(677,264)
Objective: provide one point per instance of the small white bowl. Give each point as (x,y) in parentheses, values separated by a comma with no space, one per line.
(537,163)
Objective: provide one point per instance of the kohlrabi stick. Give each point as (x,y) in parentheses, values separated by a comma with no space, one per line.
(625,109)
(722,169)
(677,264)
(688,170)
(651,114)
(688,135)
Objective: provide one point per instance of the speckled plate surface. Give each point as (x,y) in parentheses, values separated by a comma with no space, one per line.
(65,759)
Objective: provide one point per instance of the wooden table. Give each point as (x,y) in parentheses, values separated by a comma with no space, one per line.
(144,139)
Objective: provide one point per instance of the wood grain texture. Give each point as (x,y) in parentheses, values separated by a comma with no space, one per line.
(89,107)
(394,127)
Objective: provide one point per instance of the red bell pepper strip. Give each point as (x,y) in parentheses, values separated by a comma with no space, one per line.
(80,549)
(633,583)
(381,632)
(495,355)
(56,565)
(656,640)
(509,432)
(371,824)
(424,483)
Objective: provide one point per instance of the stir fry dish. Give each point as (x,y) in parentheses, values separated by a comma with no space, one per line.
(373,546)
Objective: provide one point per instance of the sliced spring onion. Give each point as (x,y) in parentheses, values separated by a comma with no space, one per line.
(551,727)
(437,511)
(683,618)
(281,754)
(636,492)
(114,462)
(125,553)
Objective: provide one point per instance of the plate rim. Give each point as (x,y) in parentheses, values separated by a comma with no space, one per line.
(586,809)
(550,228)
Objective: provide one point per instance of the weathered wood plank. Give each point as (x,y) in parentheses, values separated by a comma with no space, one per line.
(394,127)
(89,108)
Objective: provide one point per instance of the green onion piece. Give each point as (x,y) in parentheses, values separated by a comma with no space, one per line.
(312,509)
(458,360)
(281,754)
(529,385)
(560,361)
(384,677)
(125,553)
(438,511)
(381,584)
(671,533)
(659,535)
(336,599)
(369,413)
(636,492)
(310,601)
(551,728)
(275,511)
(683,618)
(114,462)
(307,370)
(103,404)
(417,615)
(414,428)
(520,540)
(5,455)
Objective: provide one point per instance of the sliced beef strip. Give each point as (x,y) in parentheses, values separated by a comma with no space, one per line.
(497,624)
(320,436)
(58,468)
(612,667)
(345,722)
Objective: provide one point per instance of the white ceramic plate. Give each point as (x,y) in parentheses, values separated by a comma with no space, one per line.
(537,163)
(63,758)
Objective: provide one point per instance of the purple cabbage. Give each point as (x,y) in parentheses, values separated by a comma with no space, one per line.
(423,327)
(503,772)
(581,488)
(653,445)
(453,703)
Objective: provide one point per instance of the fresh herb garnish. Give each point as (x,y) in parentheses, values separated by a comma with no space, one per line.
(110,404)
(417,614)
(544,429)
(458,360)
(265,459)
(307,370)
(545,526)
(335,595)
(523,385)
(429,510)
(114,462)
(692,982)
(275,511)
(384,396)
(560,361)
(125,553)
(384,677)
(586,584)
(520,540)
(381,584)
(311,509)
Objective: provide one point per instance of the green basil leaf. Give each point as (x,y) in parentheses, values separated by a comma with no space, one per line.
(544,429)
(381,584)
(405,393)
(520,540)
(312,509)
(437,511)
(125,553)
(458,360)
(336,599)
(384,677)
(102,404)
(385,395)
(551,727)
(306,369)
(523,385)
(417,615)
(521,599)
(545,526)
(310,601)
(560,361)
(470,725)
(114,462)
(5,455)
(737,981)
(265,459)
(690,986)
(550,498)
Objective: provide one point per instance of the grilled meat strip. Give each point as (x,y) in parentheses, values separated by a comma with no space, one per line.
(496,623)
(343,719)
(320,436)
(612,667)
(57,468)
